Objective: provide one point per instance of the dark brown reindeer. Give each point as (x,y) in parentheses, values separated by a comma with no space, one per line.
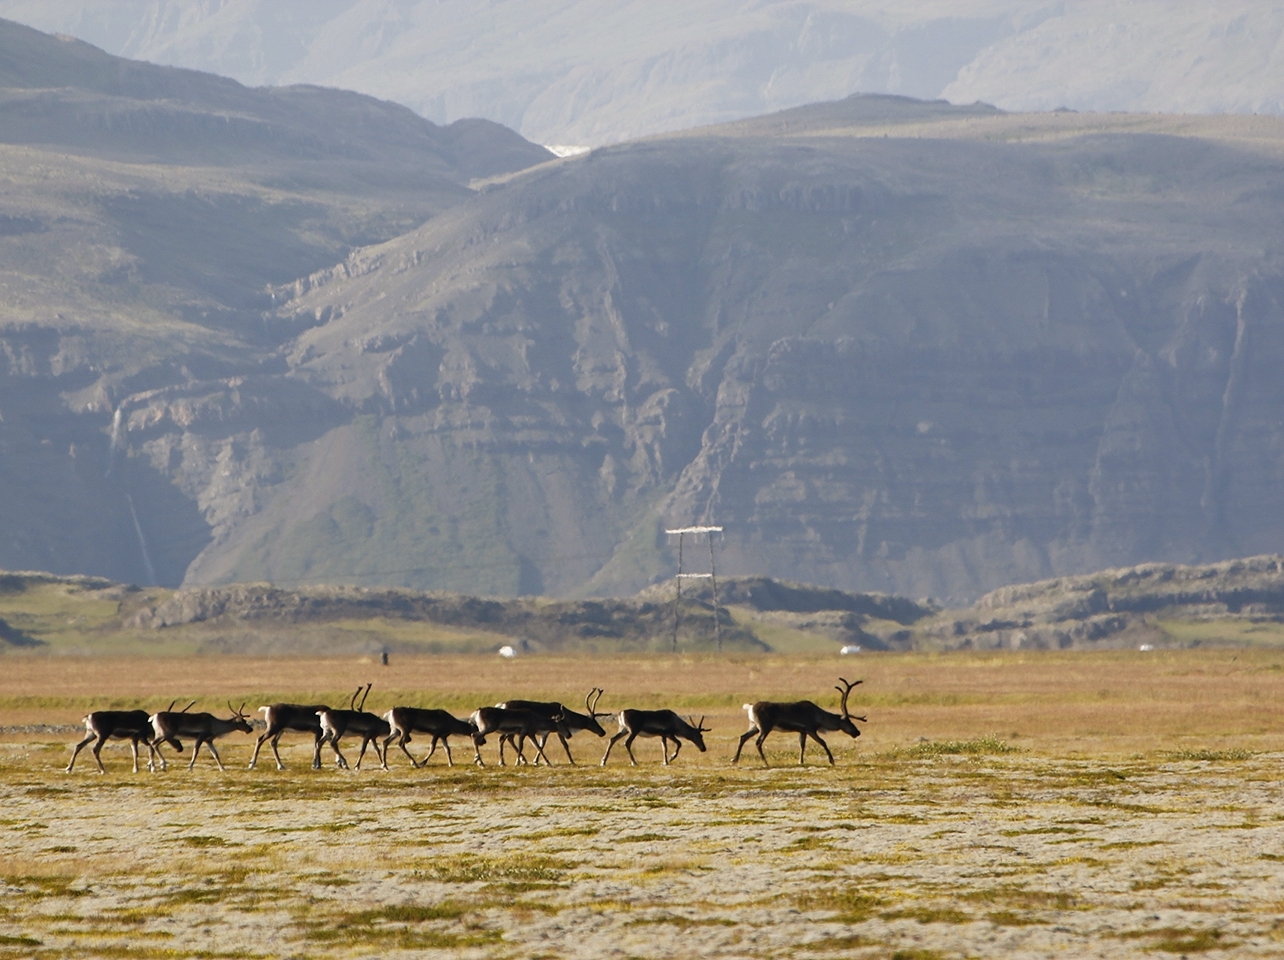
(441,725)
(103,725)
(509,724)
(664,724)
(203,728)
(803,718)
(281,717)
(571,721)
(369,726)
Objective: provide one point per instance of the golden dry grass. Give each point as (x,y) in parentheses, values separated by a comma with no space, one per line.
(1016,805)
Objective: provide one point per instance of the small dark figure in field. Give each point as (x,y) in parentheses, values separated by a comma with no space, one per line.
(803,717)
(664,724)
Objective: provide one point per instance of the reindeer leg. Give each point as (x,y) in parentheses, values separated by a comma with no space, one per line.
(539,752)
(816,737)
(133,748)
(98,749)
(802,747)
(445,742)
(340,759)
(677,745)
(80,746)
(196,749)
(618,736)
(758,743)
(258,745)
(402,744)
(477,758)
(628,745)
(741,745)
(209,744)
(567,747)
(316,752)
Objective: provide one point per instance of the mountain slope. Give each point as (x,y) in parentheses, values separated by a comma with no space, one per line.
(600,71)
(889,345)
(144,213)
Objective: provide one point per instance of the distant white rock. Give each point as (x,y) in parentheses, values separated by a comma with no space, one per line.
(849,648)
(507,652)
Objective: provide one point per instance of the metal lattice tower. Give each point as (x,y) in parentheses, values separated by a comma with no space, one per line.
(712,576)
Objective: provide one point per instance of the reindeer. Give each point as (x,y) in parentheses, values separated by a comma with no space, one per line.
(664,724)
(369,726)
(571,721)
(132,725)
(803,718)
(513,723)
(439,724)
(281,717)
(204,728)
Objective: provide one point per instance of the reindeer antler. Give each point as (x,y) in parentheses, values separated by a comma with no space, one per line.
(363,696)
(845,689)
(592,707)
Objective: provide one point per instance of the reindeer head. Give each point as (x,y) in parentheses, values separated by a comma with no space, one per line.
(698,730)
(848,727)
(590,703)
(239,720)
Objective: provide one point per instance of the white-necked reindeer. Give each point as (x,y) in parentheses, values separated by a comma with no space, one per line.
(203,728)
(368,726)
(803,718)
(665,724)
(281,717)
(441,725)
(103,725)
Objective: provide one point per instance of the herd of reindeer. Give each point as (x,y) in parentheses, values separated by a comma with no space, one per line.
(514,722)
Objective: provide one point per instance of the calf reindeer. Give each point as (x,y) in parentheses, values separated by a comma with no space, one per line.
(804,718)
(103,725)
(281,717)
(335,724)
(571,721)
(664,724)
(203,728)
(521,724)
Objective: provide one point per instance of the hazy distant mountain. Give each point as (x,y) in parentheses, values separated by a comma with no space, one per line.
(144,213)
(888,344)
(601,71)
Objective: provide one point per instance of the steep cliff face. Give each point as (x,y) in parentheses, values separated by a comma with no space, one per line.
(985,350)
(144,213)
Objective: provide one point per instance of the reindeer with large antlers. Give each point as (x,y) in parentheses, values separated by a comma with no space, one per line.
(203,728)
(570,722)
(803,717)
(664,724)
(369,726)
(510,724)
(281,717)
(103,725)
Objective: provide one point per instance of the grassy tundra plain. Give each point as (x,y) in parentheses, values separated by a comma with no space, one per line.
(1009,804)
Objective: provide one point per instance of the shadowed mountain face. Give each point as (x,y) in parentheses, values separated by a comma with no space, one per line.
(888,345)
(979,350)
(144,213)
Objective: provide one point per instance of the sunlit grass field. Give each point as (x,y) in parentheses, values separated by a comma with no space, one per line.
(1014,804)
